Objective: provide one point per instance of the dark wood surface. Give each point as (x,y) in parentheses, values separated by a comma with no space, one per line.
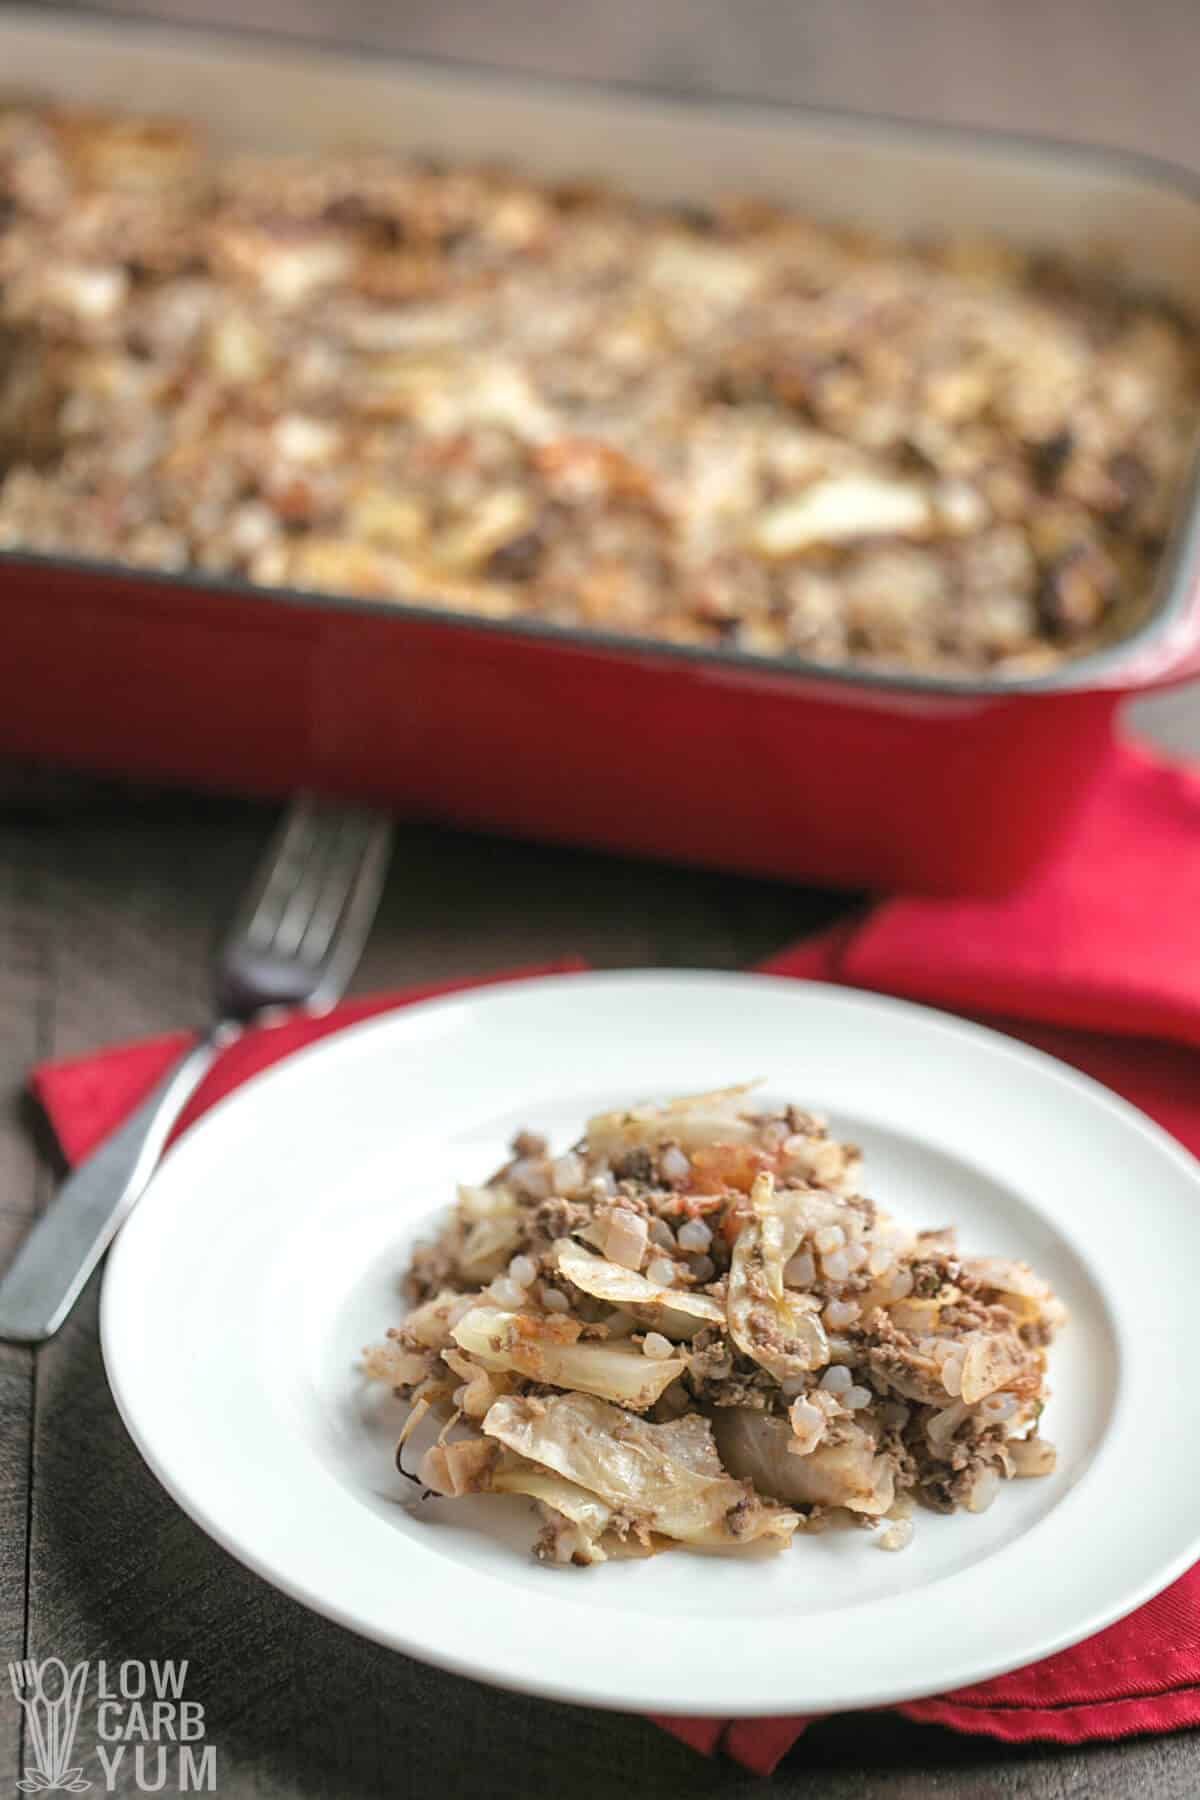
(1103,71)
(109,901)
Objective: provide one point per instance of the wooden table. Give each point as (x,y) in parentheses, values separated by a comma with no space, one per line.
(109,899)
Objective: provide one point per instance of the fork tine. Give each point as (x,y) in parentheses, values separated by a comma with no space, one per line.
(274,879)
(353,925)
(340,875)
(321,850)
(310,925)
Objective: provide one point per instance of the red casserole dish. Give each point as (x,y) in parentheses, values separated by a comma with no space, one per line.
(717,757)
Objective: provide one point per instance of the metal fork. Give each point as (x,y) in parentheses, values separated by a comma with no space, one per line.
(294,941)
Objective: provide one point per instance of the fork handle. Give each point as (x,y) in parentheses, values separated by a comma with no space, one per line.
(69,1239)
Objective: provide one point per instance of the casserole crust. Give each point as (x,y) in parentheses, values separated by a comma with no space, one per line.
(456,386)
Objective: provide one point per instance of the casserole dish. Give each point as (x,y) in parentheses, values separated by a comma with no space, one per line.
(846,775)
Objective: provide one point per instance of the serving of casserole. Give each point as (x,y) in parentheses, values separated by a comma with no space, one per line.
(728,423)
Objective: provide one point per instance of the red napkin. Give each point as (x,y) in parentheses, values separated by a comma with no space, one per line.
(87,1097)
(1097,961)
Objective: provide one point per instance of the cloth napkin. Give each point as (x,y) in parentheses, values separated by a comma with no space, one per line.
(85,1098)
(1098,961)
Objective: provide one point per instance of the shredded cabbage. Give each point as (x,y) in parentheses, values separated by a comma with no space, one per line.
(673,1311)
(667,1478)
(692,1121)
(782,1331)
(620,1372)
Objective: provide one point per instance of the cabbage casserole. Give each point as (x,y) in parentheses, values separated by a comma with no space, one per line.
(692,1328)
(459,386)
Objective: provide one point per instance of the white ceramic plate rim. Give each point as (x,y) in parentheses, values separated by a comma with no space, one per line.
(1063,1584)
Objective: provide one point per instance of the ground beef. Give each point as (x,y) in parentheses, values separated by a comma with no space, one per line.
(970,1314)
(899,1365)
(719,1378)
(927,1280)
(557,1218)
(803,1124)
(634,1197)
(739,1518)
(529,1144)
(945,1488)
(432,1268)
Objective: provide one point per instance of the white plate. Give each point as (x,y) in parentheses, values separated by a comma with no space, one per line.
(268,1253)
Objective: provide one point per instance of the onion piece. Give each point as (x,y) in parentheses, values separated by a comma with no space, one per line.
(490,1230)
(626,1239)
(691,1122)
(983,1491)
(850,1473)
(519,1341)
(432,1323)
(779,1329)
(670,1310)
(1032,1456)
(481,1386)
(991,1361)
(461,1466)
(943,1425)
(1015,1286)
(399,1367)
